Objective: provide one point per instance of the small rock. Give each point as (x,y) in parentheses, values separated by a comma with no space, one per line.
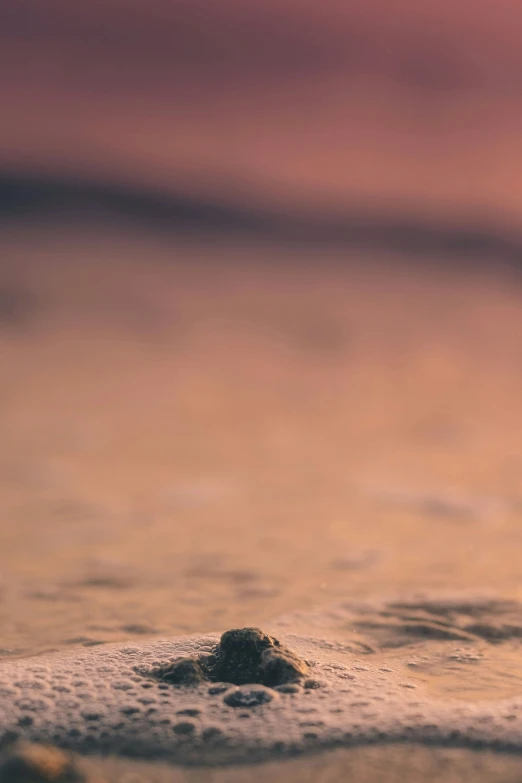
(280,667)
(185,671)
(243,656)
(248,655)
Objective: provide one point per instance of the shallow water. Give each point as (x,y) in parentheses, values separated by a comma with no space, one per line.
(205,435)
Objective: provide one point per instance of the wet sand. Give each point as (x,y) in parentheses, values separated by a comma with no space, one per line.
(206,435)
(392,763)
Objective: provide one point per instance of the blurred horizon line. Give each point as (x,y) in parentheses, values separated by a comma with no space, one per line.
(29,196)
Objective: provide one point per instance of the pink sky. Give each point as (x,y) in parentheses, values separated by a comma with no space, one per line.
(424,41)
(368,99)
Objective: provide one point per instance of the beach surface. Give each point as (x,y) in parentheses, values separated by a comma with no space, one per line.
(321,440)
(261,366)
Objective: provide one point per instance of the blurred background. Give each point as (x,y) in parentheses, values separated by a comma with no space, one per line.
(260,318)
(281,101)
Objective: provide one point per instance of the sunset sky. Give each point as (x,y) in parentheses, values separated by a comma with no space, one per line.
(327,99)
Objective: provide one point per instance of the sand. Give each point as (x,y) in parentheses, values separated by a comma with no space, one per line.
(320,441)
(393,763)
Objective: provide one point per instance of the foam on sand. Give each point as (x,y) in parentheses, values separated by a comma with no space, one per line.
(118,699)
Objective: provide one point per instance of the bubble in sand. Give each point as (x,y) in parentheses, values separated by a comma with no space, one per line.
(248,696)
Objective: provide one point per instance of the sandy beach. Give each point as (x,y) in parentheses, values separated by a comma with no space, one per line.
(260,367)
(321,441)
